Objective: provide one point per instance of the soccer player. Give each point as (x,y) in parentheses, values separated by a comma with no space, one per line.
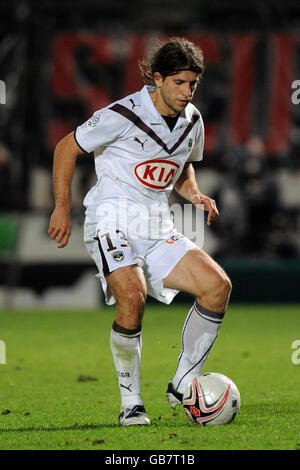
(144,146)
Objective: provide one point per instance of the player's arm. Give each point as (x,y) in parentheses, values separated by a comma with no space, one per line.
(65,155)
(187,187)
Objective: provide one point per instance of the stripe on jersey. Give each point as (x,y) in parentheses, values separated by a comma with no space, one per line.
(106,270)
(137,121)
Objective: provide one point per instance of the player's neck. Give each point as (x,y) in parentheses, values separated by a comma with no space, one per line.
(161,106)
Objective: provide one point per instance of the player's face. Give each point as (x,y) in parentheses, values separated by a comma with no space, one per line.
(174,92)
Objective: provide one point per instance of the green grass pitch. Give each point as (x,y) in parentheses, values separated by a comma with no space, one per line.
(58,388)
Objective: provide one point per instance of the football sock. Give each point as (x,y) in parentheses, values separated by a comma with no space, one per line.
(126,346)
(199,333)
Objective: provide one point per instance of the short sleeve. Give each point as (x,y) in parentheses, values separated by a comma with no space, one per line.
(100,130)
(196,154)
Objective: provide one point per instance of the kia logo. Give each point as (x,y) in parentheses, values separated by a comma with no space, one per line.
(156,174)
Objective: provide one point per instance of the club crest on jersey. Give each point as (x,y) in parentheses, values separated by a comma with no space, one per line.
(156,174)
(118,255)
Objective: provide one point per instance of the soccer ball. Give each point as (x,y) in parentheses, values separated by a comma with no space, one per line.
(211,398)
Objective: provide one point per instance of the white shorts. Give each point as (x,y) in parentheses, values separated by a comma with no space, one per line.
(156,258)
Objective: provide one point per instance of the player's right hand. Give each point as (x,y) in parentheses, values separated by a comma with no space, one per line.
(60,226)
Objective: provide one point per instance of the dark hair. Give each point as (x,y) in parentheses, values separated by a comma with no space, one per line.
(171,57)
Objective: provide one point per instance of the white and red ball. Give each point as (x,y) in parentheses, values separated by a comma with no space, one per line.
(211,398)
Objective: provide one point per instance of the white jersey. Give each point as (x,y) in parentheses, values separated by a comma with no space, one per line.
(137,157)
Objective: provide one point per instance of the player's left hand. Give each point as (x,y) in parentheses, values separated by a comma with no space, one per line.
(208,204)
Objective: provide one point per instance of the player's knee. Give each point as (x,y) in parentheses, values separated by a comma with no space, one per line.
(137,298)
(217,290)
(222,285)
(226,285)
(133,298)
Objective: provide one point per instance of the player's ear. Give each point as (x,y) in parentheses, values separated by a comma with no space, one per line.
(158,79)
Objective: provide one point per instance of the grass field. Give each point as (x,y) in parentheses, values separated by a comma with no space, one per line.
(58,389)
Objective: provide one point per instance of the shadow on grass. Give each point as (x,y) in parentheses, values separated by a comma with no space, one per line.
(84,427)
(73,427)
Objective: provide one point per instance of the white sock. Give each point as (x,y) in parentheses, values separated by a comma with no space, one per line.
(126,351)
(199,333)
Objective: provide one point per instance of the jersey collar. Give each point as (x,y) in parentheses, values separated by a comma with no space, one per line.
(155,117)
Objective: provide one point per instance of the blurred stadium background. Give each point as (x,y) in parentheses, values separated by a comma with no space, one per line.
(60,61)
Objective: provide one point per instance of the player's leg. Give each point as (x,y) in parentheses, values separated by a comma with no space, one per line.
(198,274)
(128,287)
(123,283)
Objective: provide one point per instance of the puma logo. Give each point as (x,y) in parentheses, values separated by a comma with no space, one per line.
(141,143)
(128,388)
(133,103)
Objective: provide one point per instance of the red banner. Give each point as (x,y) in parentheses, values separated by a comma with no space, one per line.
(91,70)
